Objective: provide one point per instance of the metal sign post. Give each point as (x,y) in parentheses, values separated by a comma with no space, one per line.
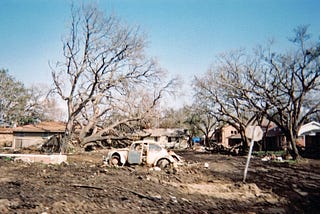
(255,133)
(248,161)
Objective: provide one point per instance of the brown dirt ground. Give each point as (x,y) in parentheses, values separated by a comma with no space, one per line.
(86,185)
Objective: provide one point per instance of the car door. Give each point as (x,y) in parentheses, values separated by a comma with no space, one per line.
(135,152)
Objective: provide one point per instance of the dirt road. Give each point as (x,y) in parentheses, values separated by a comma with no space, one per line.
(86,185)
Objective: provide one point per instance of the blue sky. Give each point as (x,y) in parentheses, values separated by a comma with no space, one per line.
(184,35)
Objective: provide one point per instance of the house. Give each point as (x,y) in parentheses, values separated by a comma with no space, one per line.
(274,139)
(310,133)
(6,137)
(309,129)
(308,138)
(168,138)
(35,134)
(228,136)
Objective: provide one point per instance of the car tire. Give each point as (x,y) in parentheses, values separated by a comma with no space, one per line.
(163,163)
(115,160)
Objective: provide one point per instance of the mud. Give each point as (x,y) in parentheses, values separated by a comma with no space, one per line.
(86,185)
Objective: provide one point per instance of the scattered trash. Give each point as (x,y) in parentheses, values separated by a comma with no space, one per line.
(185,200)
(173,199)
(31,158)
(157,197)
(199,148)
(105,171)
(272,158)
(279,159)
(266,158)
(155,169)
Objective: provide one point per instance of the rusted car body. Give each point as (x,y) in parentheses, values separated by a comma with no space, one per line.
(142,152)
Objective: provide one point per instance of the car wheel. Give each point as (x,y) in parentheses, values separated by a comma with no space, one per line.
(163,163)
(115,160)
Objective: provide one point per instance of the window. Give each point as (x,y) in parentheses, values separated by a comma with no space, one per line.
(45,134)
(156,139)
(137,147)
(154,148)
(20,134)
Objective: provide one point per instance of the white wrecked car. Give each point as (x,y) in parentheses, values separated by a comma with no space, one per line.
(142,152)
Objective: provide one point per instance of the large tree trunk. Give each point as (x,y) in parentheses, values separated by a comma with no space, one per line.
(293,150)
(206,141)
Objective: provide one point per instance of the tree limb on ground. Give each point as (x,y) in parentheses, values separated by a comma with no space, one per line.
(119,188)
(138,194)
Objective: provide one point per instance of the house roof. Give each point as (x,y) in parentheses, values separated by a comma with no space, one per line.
(309,128)
(265,123)
(235,136)
(6,130)
(42,127)
(164,132)
(273,132)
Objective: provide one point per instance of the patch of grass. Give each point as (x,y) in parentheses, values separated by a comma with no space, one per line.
(291,161)
(264,153)
(7,158)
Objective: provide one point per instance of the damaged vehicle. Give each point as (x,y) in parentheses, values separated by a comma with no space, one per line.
(142,152)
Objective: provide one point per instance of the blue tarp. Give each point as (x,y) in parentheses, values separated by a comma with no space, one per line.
(196,139)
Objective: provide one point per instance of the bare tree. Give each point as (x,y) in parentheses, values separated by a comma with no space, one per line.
(218,92)
(201,120)
(43,104)
(172,118)
(284,88)
(104,76)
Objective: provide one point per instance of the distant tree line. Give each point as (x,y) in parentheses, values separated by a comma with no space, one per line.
(20,105)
